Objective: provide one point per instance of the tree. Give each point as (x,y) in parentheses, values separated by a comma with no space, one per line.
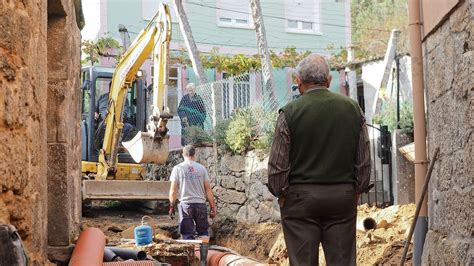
(372,22)
(94,50)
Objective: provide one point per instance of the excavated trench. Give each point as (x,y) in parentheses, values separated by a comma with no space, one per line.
(264,242)
(251,240)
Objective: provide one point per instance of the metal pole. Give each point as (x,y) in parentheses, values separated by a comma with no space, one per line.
(397,61)
(418,206)
(390,173)
(419,124)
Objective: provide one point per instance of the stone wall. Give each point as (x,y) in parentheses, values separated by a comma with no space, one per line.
(28,138)
(450,98)
(238,185)
(163,172)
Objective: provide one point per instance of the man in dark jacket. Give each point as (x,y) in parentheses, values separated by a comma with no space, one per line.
(318,166)
(191,110)
(101,109)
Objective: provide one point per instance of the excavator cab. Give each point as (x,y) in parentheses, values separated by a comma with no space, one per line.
(95,89)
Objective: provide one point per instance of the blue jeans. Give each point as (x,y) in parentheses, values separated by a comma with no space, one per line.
(192,219)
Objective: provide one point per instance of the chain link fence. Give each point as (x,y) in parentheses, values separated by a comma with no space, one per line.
(221,99)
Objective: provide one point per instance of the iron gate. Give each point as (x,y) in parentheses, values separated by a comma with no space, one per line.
(381,194)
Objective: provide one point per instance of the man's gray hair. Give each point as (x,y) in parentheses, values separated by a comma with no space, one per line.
(313,69)
(191,85)
(189,151)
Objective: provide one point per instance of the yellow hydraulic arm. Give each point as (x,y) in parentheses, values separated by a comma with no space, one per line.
(150,146)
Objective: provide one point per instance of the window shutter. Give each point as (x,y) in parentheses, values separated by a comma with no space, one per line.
(300,10)
(224,7)
(303,15)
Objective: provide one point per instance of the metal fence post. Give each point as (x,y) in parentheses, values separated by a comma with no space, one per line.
(216,100)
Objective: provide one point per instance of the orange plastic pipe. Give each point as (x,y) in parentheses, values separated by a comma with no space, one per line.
(220,258)
(89,250)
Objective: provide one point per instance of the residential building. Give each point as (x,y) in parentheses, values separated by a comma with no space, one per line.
(320,26)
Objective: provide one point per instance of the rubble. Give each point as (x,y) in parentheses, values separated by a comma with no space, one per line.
(168,252)
(262,241)
(373,246)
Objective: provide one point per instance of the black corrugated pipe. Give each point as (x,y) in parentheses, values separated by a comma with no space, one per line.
(109,255)
(127,254)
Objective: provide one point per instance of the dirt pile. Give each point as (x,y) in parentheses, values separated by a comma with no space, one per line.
(117,220)
(377,245)
(383,245)
(265,242)
(114,221)
(167,251)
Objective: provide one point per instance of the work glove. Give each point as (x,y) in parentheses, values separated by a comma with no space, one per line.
(213,213)
(171,211)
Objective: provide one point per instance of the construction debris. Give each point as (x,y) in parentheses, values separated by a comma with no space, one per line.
(373,246)
(379,242)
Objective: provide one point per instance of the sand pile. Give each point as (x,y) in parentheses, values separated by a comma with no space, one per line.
(380,246)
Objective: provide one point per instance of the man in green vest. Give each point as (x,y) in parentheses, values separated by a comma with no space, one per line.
(319,164)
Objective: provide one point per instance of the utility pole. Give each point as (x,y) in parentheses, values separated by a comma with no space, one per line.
(264,53)
(189,41)
(125,36)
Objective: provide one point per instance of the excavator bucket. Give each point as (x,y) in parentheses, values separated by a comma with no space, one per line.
(145,149)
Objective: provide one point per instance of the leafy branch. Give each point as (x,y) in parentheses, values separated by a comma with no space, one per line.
(240,63)
(100,48)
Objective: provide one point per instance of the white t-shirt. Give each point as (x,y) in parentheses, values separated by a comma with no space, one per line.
(190,177)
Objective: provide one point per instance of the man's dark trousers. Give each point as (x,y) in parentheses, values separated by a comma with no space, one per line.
(192,220)
(314,214)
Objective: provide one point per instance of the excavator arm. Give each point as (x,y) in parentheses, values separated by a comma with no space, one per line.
(150,146)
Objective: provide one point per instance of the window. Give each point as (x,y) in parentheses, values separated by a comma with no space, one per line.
(234,13)
(292,24)
(235,92)
(242,92)
(173,94)
(150,7)
(225,20)
(85,94)
(303,16)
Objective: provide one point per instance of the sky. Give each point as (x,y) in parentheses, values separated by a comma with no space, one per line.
(91,10)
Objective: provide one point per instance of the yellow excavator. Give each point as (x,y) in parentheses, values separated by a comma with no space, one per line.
(111,167)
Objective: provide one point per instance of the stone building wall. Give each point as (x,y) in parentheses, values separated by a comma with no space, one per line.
(27,30)
(448,57)
(23,82)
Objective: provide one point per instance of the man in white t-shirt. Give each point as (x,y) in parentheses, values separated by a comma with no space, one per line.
(190,183)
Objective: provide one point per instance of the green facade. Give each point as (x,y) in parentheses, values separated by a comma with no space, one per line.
(203,20)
